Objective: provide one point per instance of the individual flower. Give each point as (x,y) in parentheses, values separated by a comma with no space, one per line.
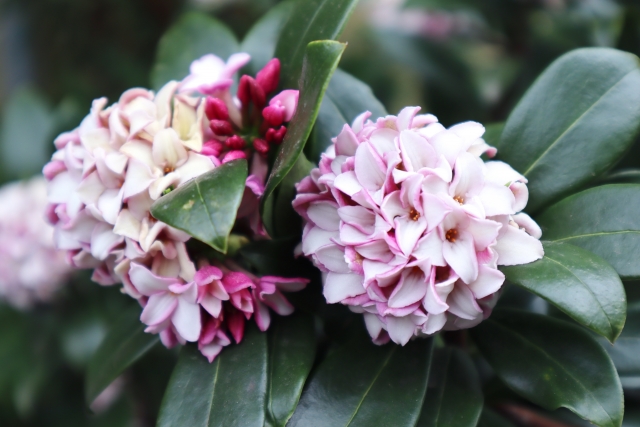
(409,225)
(106,174)
(31,269)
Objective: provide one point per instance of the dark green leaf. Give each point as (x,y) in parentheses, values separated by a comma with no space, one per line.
(228,392)
(454,396)
(321,60)
(624,352)
(261,40)
(292,345)
(553,364)
(123,345)
(192,37)
(574,123)
(364,385)
(624,176)
(492,134)
(346,98)
(309,21)
(579,283)
(287,222)
(603,220)
(27,126)
(490,419)
(206,206)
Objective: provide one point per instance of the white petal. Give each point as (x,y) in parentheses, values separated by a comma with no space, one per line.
(146,282)
(186,320)
(489,281)
(338,287)
(411,288)
(324,215)
(332,258)
(159,307)
(461,256)
(497,199)
(417,153)
(463,303)
(400,329)
(408,232)
(516,247)
(429,248)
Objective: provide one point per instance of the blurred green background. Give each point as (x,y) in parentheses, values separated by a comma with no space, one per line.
(459,59)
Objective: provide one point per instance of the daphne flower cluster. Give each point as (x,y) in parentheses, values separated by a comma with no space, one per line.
(31,269)
(106,174)
(408,224)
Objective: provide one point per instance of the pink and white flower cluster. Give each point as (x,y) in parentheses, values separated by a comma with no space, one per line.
(106,174)
(31,269)
(409,225)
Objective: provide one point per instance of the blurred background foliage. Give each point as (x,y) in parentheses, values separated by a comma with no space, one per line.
(459,59)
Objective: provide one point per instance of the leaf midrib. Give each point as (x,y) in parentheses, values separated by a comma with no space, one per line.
(553,361)
(600,233)
(213,391)
(306,30)
(375,378)
(444,383)
(575,122)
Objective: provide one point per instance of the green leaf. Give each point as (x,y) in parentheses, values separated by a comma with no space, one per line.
(123,345)
(320,62)
(228,392)
(287,222)
(603,220)
(624,176)
(309,21)
(490,419)
(192,37)
(27,127)
(492,134)
(361,384)
(454,396)
(292,345)
(579,283)
(624,352)
(561,135)
(346,98)
(206,206)
(261,40)
(553,364)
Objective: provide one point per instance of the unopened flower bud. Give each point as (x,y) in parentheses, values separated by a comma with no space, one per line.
(212,148)
(216,109)
(235,142)
(221,127)
(249,91)
(275,136)
(269,76)
(274,115)
(261,146)
(234,155)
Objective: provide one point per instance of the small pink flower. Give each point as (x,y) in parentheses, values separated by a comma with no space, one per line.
(210,73)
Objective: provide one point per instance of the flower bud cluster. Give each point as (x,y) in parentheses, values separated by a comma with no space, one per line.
(409,225)
(106,174)
(31,269)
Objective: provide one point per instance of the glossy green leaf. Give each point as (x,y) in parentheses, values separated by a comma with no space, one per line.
(287,222)
(603,220)
(123,345)
(626,349)
(206,206)
(553,364)
(27,127)
(454,396)
(492,134)
(193,36)
(261,40)
(230,391)
(320,62)
(574,123)
(361,384)
(579,283)
(345,99)
(310,20)
(292,345)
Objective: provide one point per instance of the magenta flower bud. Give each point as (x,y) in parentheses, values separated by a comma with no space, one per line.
(274,115)
(235,142)
(216,109)
(221,127)
(269,76)
(234,155)
(261,145)
(275,136)
(250,91)
(212,148)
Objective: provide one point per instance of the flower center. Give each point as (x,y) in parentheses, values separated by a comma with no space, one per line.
(169,169)
(459,199)
(359,258)
(414,214)
(452,235)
